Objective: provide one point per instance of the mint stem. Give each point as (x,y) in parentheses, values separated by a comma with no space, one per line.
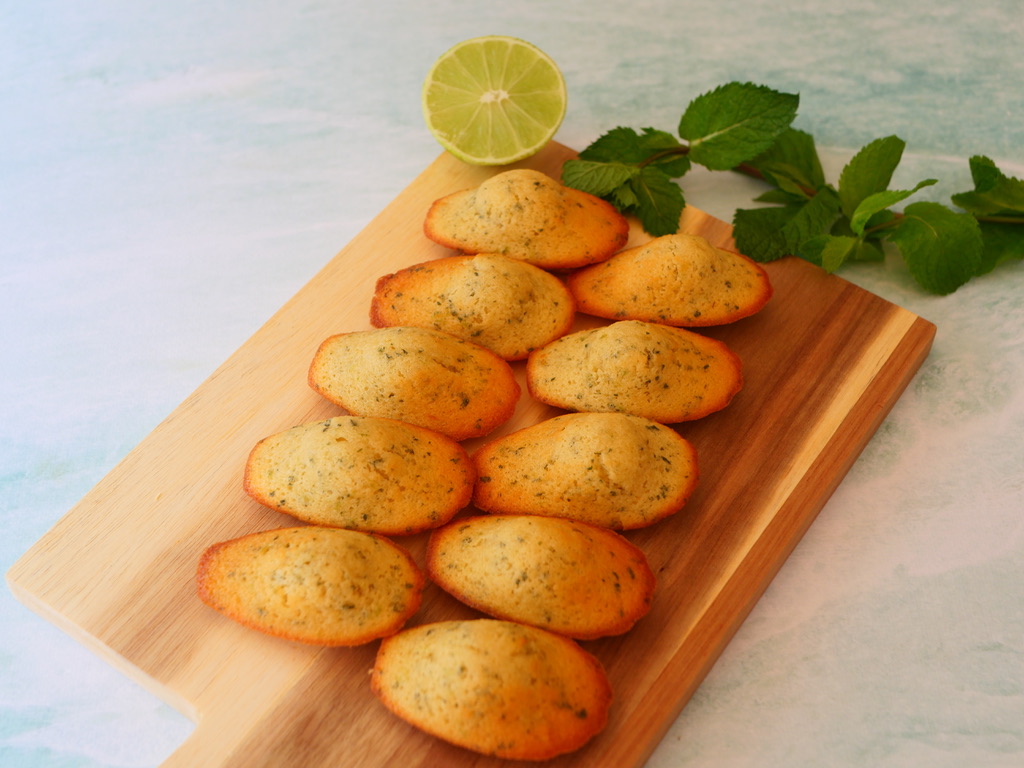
(1001,219)
(680,150)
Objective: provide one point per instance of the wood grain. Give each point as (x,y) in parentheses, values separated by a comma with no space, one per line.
(823,364)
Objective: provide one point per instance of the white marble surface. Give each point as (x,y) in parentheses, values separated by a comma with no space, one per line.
(171,173)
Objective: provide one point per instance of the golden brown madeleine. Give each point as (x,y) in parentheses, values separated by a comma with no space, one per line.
(610,469)
(494,687)
(662,373)
(679,280)
(362,473)
(503,304)
(321,586)
(418,375)
(528,215)
(573,578)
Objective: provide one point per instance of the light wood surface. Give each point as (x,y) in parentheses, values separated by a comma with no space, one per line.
(823,364)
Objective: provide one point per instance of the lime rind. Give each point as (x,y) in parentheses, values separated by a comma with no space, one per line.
(494,100)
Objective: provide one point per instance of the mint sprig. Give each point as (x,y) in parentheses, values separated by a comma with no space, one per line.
(734,123)
(748,128)
(941,248)
(997,201)
(635,170)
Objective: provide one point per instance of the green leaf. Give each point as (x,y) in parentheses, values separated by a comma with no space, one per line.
(659,201)
(619,145)
(673,166)
(994,194)
(829,251)
(623,198)
(665,151)
(597,178)
(867,250)
(869,171)
(626,146)
(734,123)
(758,231)
(880,201)
(795,152)
(654,140)
(1003,242)
(781,197)
(942,248)
(633,171)
(875,226)
(766,234)
(788,178)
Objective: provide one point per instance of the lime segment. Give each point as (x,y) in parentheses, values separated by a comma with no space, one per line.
(494,100)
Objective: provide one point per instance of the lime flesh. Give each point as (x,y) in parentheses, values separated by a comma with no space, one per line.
(494,100)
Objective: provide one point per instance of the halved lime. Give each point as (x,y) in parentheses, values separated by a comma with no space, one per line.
(494,100)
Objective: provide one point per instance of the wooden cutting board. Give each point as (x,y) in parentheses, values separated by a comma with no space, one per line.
(823,364)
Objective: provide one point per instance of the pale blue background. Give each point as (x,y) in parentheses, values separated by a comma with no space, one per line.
(171,173)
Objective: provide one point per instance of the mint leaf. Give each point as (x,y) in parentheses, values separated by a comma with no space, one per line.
(782,197)
(758,231)
(597,178)
(867,250)
(879,202)
(942,248)
(624,198)
(659,201)
(994,194)
(665,151)
(869,171)
(734,123)
(654,140)
(766,234)
(619,145)
(868,245)
(1003,242)
(626,146)
(795,155)
(829,251)
(634,171)
(787,178)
